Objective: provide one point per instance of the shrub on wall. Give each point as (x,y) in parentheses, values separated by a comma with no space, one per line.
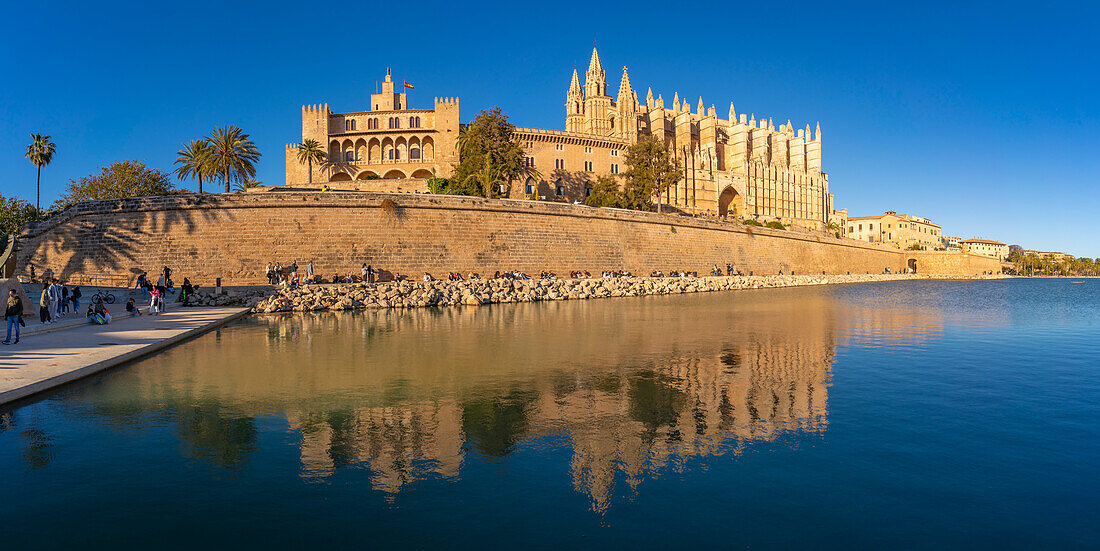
(753,223)
(118,180)
(775,225)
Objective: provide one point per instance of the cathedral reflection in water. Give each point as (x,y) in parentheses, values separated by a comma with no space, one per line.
(633,387)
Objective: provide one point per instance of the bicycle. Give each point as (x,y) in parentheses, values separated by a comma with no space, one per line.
(107,297)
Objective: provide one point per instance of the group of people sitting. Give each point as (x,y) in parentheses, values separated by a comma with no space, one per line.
(617,273)
(577,274)
(673,273)
(514,274)
(729,270)
(456,276)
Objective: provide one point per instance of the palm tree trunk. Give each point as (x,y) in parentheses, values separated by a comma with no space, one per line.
(200,184)
(227,180)
(37,192)
(309,163)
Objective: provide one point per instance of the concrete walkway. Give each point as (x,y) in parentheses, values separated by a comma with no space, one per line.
(43,361)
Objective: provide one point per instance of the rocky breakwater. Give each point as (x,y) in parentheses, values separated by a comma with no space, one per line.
(415,294)
(249,298)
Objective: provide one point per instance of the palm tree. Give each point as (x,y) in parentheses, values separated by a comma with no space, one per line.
(232,154)
(194,161)
(246,183)
(39,153)
(487,176)
(308,152)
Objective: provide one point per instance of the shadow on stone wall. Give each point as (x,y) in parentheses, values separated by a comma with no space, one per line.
(112,249)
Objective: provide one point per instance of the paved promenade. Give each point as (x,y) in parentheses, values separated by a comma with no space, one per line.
(44,360)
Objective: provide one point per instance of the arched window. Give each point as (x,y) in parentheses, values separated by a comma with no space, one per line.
(414,153)
(349,156)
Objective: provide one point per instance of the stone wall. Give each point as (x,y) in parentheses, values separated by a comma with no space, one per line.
(234,236)
(951,263)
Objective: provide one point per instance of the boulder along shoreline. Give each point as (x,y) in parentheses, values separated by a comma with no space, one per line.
(418,294)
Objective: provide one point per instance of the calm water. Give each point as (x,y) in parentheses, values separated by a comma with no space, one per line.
(900,415)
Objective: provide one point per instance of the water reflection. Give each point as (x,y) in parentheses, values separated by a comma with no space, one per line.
(633,387)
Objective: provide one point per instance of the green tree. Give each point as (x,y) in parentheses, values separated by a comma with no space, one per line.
(193,161)
(652,169)
(605,193)
(488,154)
(39,153)
(233,156)
(309,152)
(118,180)
(14,212)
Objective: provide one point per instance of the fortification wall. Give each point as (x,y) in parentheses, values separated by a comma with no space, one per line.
(951,263)
(234,236)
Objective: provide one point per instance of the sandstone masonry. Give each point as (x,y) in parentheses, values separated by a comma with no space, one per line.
(235,236)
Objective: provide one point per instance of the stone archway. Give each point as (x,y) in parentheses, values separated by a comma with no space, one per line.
(727,202)
(912,265)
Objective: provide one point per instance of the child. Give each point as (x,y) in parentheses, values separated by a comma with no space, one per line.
(132,308)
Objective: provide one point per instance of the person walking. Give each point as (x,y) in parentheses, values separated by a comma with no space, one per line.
(75,297)
(64,300)
(370,274)
(161,289)
(55,300)
(154,301)
(44,304)
(143,283)
(14,314)
(309,272)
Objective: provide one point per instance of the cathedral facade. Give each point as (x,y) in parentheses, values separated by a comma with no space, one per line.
(736,166)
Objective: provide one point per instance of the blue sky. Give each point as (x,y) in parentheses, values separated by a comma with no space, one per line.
(984,117)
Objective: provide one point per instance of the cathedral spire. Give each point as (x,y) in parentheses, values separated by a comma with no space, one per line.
(595,81)
(701,110)
(649,98)
(676,102)
(733,114)
(575,85)
(626,93)
(818,133)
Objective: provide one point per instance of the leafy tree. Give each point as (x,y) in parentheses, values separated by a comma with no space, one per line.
(914,247)
(14,212)
(40,153)
(652,169)
(605,193)
(119,179)
(751,222)
(309,152)
(193,161)
(489,154)
(233,156)
(775,225)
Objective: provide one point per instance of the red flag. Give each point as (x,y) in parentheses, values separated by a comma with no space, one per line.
(407,85)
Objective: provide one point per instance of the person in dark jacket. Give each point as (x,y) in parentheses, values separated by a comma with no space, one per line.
(13,313)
